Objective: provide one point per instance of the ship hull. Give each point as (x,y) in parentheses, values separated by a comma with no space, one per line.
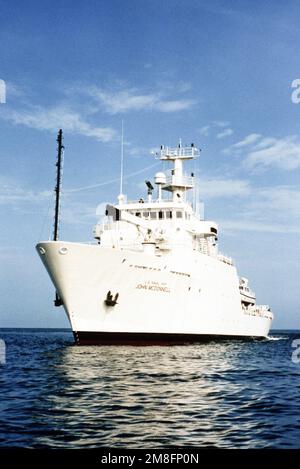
(143,339)
(122,297)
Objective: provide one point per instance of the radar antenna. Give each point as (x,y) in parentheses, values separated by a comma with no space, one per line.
(150,190)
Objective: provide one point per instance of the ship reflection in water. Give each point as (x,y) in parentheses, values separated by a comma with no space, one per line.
(219,394)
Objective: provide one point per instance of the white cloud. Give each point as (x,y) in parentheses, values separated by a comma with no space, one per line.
(273,209)
(264,142)
(131,100)
(263,152)
(174,106)
(252,138)
(218,188)
(14,90)
(221,123)
(220,129)
(225,133)
(269,209)
(23,200)
(79,122)
(281,153)
(204,130)
(279,202)
(51,119)
(74,212)
(231,226)
(12,194)
(137,151)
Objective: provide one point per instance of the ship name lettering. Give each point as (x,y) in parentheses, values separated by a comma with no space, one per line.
(157,269)
(153,287)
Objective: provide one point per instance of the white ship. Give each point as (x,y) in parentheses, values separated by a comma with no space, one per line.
(154,274)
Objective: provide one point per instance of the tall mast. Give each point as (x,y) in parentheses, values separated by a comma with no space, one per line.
(58,184)
(60,148)
(122,159)
(121,196)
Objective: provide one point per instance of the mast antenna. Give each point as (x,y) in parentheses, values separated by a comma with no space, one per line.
(122,158)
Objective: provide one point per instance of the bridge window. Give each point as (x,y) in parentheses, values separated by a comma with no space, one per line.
(153,215)
(138,214)
(145,214)
(168,214)
(160,215)
(179,214)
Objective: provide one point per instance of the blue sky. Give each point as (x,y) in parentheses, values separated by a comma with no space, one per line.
(217,73)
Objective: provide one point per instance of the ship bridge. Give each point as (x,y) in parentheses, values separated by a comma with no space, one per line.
(166,223)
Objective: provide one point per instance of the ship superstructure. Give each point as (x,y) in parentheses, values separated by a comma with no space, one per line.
(154,274)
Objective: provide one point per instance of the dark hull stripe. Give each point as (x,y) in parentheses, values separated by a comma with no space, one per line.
(141,338)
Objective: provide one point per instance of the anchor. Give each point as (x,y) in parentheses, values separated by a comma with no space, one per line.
(110,301)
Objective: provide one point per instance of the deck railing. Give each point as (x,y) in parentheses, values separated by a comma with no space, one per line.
(225,259)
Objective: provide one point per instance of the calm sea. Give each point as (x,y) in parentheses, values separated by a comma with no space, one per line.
(228,394)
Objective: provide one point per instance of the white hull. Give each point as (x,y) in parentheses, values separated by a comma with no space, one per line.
(160,299)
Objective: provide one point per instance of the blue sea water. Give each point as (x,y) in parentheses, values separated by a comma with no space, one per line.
(229,394)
